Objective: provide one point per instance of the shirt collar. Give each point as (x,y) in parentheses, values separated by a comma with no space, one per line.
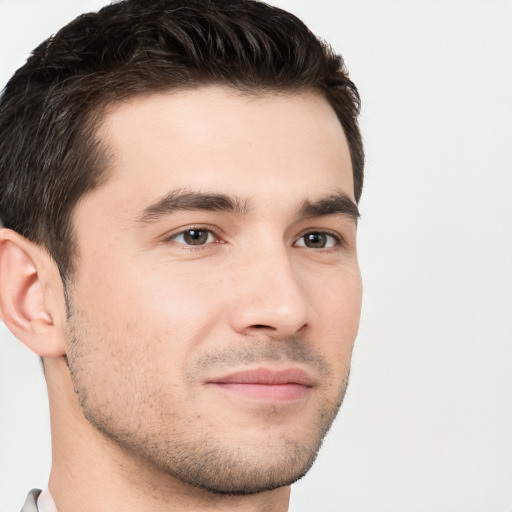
(45,502)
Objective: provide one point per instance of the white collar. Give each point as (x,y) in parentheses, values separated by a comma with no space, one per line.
(45,502)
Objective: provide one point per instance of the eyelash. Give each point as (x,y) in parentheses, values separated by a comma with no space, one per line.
(208,229)
(339,241)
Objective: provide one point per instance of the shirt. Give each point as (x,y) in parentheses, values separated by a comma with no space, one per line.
(45,502)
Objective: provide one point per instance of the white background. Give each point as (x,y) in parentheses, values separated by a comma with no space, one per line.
(427,422)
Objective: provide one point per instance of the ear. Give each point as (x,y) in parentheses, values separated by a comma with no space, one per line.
(30,286)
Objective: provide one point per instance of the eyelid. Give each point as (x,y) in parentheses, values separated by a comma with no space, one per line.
(216,232)
(169,237)
(340,241)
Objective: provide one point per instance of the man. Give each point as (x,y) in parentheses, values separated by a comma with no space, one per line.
(179,183)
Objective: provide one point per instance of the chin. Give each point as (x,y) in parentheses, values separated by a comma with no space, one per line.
(223,474)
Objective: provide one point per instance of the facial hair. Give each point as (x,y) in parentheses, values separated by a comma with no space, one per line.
(154,427)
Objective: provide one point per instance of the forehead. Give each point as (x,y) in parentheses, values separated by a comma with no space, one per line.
(216,139)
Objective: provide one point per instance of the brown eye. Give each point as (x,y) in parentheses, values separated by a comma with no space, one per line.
(317,240)
(194,237)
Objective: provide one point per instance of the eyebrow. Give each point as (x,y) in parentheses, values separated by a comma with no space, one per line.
(184,200)
(338,203)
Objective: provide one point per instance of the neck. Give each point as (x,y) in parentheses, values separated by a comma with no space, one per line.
(91,472)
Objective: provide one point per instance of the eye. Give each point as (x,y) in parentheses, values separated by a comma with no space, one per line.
(194,237)
(317,240)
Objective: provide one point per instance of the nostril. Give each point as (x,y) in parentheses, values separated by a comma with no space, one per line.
(261,326)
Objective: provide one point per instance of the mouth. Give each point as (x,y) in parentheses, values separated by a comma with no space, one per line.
(266,384)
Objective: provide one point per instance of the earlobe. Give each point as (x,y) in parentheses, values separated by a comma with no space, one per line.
(25,305)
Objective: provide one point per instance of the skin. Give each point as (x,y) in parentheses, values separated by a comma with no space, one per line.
(142,415)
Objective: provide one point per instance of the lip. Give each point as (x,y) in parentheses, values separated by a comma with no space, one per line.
(267,384)
(269,376)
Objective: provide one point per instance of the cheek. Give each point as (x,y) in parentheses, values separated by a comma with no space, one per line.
(136,288)
(336,296)
(337,305)
(165,309)
(188,295)
(350,303)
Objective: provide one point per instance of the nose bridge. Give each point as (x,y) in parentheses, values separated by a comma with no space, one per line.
(270,292)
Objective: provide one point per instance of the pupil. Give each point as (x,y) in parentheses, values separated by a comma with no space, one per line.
(316,240)
(196,236)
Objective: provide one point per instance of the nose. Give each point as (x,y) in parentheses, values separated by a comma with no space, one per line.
(270,297)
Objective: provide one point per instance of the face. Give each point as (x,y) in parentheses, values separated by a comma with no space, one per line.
(217,296)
